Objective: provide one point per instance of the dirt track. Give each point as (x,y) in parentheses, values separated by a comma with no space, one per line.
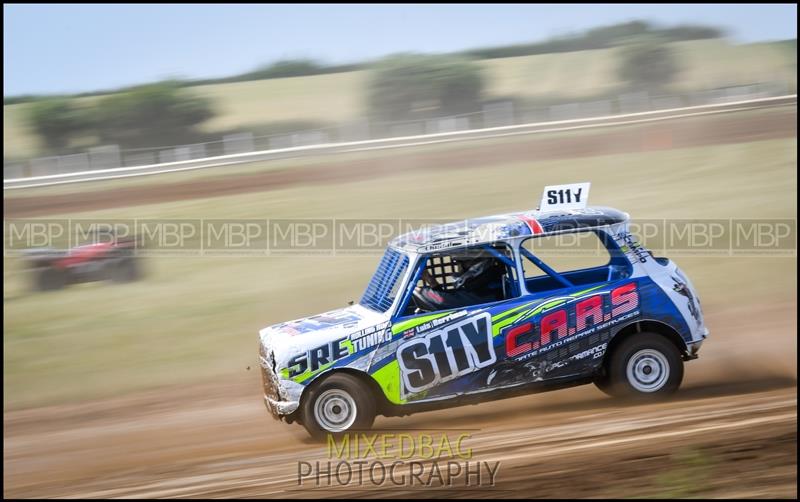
(730,432)
(671,134)
(578,444)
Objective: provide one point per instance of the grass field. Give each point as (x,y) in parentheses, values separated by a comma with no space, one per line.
(196,318)
(299,163)
(340,97)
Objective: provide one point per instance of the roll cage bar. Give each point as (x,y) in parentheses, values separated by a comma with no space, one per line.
(419,268)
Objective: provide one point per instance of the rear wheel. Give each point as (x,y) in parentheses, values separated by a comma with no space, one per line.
(643,366)
(50,279)
(125,270)
(339,404)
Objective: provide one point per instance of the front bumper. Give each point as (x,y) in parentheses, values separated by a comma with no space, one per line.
(278,407)
(693,348)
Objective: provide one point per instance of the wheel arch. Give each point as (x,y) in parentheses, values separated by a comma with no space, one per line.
(645,326)
(381,403)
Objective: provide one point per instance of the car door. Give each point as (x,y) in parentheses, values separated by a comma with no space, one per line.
(450,352)
(562,330)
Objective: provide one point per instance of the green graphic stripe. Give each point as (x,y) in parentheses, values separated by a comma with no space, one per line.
(496,327)
(302,377)
(579,293)
(524,315)
(388,378)
(505,313)
(501,322)
(542,308)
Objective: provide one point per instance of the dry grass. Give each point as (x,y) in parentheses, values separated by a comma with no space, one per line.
(340,97)
(197,317)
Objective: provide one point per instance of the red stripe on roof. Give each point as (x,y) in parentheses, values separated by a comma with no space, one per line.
(534,225)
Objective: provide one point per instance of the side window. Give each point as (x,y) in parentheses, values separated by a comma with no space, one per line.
(465,277)
(570,259)
(565,252)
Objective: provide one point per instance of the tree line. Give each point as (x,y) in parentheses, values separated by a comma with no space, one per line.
(144,116)
(600,38)
(597,38)
(401,87)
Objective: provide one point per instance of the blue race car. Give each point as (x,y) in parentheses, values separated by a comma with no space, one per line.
(489,308)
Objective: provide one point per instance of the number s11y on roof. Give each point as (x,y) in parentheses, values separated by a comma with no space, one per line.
(572,196)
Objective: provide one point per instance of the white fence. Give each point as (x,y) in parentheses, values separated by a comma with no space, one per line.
(68,168)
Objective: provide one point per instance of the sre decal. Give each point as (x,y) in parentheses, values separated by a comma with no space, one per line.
(315,358)
(445,354)
(574,319)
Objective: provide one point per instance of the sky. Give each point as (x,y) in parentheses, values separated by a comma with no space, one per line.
(86,47)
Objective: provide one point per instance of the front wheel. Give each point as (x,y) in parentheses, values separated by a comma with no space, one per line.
(643,366)
(50,279)
(339,404)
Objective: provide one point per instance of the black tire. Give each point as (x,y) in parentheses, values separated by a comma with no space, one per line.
(645,366)
(50,279)
(603,382)
(338,394)
(125,270)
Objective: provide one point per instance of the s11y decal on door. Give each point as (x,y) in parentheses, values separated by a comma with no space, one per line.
(447,353)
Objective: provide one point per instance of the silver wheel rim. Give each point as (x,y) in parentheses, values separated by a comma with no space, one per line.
(335,410)
(648,370)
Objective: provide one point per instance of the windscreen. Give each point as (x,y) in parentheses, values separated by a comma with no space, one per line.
(382,288)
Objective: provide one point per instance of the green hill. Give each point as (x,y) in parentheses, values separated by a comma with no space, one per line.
(338,97)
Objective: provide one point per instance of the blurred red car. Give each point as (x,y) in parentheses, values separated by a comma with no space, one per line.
(108,258)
